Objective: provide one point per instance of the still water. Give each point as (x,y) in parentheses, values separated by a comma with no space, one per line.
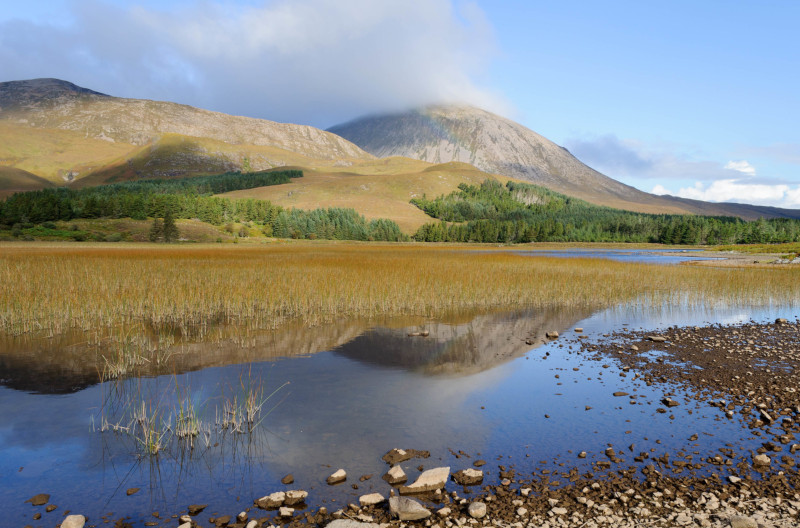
(488,385)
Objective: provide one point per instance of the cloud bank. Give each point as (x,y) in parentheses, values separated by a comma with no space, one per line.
(733,181)
(306,61)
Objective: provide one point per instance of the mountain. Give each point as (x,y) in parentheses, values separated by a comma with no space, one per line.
(497,145)
(61,132)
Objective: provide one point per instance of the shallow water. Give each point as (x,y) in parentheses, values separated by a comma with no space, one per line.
(355,390)
(651,256)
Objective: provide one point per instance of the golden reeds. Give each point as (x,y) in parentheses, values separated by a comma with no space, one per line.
(48,289)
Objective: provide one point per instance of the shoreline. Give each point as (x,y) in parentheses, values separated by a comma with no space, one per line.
(750,366)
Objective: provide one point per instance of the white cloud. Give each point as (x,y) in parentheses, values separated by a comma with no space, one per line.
(778,195)
(310,61)
(741,166)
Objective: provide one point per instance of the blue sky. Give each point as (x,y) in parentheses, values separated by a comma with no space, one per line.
(698,99)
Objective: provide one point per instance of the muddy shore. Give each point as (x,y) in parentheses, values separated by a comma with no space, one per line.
(746,373)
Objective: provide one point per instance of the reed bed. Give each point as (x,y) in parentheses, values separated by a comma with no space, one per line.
(177,290)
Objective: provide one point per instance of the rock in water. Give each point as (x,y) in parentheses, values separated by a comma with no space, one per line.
(194,509)
(39,500)
(656,338)
(762,460)
(430,480)
(551,335)
(74,521)
(395,475)
(271,501)
(288,479)
(477,510)
(295,497)
(337,477)
(407,509)
(468,477)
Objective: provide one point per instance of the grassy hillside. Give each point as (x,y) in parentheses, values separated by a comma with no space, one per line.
(54,154)
(381,188)
(14,180)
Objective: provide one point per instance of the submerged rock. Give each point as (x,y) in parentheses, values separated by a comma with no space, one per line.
(194,509)
(40,499)
(288,479)
(430,480)
(407,509)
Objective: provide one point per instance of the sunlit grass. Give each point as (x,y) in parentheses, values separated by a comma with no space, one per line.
(791,249)
(48,289)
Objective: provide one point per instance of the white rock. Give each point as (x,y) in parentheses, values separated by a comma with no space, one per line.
(185,518)
(285,512)
(761,460)
(371,500)
(73,521)
(184,525)
(477,510)
(396,475)
(522,512)
(733,479)
(338,476)
(468,477)
(739,521)
(429,480)
(295,497)
(242,517)
(252,524)
(349,523)
(407,509)
(273,500)
(559,511)
(444,512)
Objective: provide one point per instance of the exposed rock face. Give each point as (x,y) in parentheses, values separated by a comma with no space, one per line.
(52,103)
(445,133)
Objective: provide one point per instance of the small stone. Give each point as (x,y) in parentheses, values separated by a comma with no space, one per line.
(395,475)
(477,510)
(559,511)
(73,521)
(395,456)
(50,507)
(185,519)
(620,393)
(371,500)
(522,512)
(407,509)
(185,525)
(468,477)
(479,463)
(295,497)
(131,491)
(762,460)
(288,479)
(39,500)
(656,338)
(285,511)
(579,330)
(551,335)
(444,512)
(252,524)
(225,520)
(242,517)
(740,521)
(733,479)
(37,516)
(669,402)
(337,477)
(194,509)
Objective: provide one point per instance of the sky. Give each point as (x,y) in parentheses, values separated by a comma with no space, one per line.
(695,99)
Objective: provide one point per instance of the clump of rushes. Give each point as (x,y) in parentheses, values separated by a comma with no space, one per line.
(49,289)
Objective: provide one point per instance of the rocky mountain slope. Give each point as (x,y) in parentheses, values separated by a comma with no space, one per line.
(80,113)
(498,145)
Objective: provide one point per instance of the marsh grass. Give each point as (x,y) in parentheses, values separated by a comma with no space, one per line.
(188,290)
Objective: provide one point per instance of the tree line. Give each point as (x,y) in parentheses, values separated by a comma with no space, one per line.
(520,212)
(193,198)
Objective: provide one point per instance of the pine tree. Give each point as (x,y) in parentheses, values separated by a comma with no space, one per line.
(170,230)
(157,231)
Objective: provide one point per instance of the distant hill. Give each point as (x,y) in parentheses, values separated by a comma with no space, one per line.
(48,117)
(15,180)
(494,144)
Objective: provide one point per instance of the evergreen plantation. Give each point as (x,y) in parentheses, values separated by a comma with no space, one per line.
(520,212)
(192,198)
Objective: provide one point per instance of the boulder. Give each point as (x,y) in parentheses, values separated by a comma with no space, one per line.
(371,500)
(73,521)
(337,477)
(395,475)
(295,497)
(468,477)
(407,509)
(477,510)
(271,501)
(430,480)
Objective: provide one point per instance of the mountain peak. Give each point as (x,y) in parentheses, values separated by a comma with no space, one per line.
(38,92)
